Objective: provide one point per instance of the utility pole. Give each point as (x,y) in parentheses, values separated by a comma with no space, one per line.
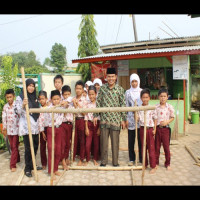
(134,28)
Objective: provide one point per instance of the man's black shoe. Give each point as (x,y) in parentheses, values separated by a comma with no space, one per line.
(28,174)
(102,165)
(117,165)
(39,168)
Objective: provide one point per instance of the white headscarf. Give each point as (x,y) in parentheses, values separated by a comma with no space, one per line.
(135,92)
(97,80)
(89,83)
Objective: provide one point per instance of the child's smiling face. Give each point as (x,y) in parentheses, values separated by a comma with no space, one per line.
(145,99)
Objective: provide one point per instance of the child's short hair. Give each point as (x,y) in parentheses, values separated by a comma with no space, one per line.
(55,92)
(66,88)
(58,77)
(145,91)
(80,82)
(9,91)
(92,87)
(162,90)
(42,93)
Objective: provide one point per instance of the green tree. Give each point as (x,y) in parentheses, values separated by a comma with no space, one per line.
(88,44)
(25,59)
(58,57)
(36,70)
(8,79)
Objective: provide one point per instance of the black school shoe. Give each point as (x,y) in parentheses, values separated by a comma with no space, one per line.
(102,165)
(117,165)
(28,174)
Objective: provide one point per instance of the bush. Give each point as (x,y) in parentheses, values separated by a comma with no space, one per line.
(8,80)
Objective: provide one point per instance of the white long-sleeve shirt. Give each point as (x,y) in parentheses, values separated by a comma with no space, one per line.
(23,127)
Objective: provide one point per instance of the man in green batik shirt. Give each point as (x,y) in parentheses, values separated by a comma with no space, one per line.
(110,95)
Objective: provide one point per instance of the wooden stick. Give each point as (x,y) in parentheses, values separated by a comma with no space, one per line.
(29,126)
(52,150)
(19,180)
(133,181)
(144,149)
(91,110)
(136,138)
(192,154)
(125,168)
(72,141)
(60,177)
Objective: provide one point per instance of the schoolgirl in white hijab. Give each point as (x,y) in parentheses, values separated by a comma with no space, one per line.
(135,88)
(97,83)
(131,95)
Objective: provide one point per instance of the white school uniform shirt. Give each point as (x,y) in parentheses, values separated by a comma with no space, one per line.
(23,127)
(42,121)
(68,117)
(10,119)
(89,116)
(150,116)
(58,118)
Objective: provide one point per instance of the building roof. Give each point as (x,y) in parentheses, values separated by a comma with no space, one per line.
(161,52)
(152,44)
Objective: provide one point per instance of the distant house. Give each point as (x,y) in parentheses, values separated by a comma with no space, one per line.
(51,68)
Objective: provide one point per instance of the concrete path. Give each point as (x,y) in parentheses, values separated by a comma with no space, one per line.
(183,172)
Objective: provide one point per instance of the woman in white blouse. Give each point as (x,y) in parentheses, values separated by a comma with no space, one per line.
(132,95)
(23,128)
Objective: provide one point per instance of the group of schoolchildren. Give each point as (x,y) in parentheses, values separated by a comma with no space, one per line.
(157,125)
(86,139)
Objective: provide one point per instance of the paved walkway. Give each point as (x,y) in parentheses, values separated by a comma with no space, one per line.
(183,172)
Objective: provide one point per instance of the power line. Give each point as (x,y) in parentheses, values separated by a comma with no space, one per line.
(39,34)
(18,20)
(165,32)
(169,28)
(118,29)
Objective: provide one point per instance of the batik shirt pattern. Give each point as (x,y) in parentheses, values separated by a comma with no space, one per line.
(10,119)
(163,114)
(114,97)
(23,127)
(130,102)
(150,117)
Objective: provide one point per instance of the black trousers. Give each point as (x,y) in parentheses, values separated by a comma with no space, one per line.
(131,144)
(27,155)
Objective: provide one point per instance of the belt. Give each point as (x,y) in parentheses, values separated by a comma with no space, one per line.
(148,127)
(68,122)
(79,118)
(163,126)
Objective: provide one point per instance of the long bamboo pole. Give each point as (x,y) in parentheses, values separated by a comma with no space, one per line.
(52,150)
(144,148)
(91,110)
(29,126)
(136,137)
(107,168)
(72,140)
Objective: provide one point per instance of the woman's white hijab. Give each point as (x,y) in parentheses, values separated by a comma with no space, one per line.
(135,92)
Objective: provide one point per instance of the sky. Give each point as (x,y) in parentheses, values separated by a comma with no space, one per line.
(39,32)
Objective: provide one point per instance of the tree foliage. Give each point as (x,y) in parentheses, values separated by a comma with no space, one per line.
(88,44)
(58,57)
(25,59)
(8,79)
